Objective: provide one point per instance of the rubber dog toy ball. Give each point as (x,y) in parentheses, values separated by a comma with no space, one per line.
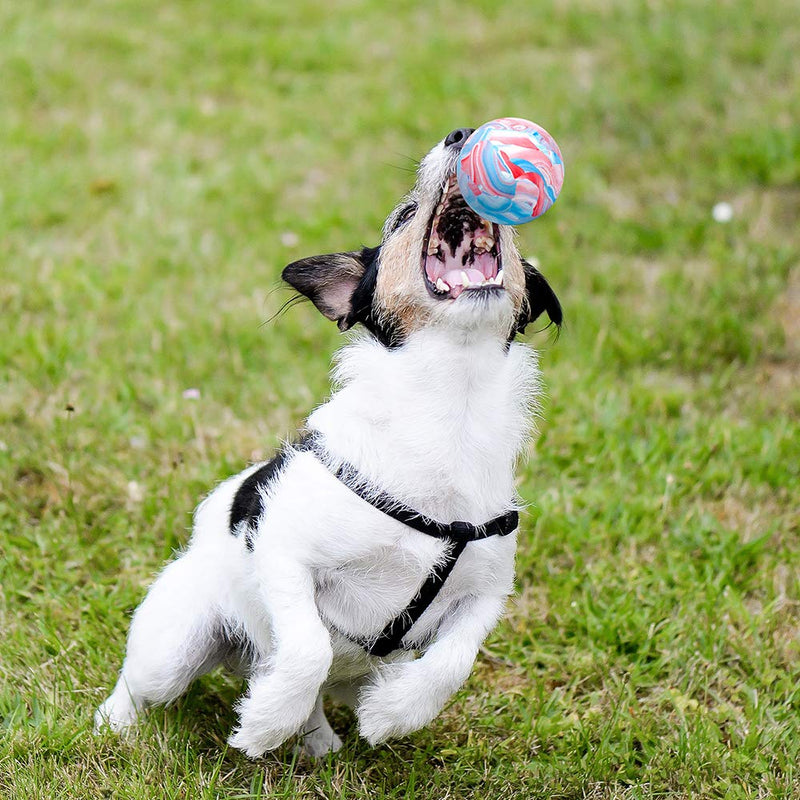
(510,171)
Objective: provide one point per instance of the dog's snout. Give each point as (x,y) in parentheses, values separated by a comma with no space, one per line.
(457,137)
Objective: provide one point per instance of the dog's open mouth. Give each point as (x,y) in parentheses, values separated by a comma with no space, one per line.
(461,250)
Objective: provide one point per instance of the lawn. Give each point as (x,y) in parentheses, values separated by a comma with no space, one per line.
(161,162)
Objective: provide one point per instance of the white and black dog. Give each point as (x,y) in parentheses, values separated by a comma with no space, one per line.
(371,557)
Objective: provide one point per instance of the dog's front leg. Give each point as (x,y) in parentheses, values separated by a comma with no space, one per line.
(281,696)
(405,697)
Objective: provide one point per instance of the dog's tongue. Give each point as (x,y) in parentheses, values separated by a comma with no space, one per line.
(455,277)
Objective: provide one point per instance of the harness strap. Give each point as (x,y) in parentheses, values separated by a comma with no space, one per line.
(391,637)
(457,534)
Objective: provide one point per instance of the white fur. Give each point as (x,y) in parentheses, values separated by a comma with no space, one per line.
(438,424)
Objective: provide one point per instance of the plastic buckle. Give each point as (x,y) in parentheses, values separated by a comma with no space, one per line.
(461,528)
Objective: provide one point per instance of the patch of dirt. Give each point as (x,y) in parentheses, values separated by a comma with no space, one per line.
(734,514)
(780,377)
(750,517)
(788,312)
(506,679)
(773,213)
(531,603)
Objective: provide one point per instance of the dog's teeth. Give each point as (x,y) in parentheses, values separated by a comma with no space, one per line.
(483,243)
(498,279)
(441,285)
(465,279)
(433,246)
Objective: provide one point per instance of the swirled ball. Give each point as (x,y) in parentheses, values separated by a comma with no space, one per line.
(510,171)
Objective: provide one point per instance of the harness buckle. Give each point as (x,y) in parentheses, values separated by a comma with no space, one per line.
(462,528)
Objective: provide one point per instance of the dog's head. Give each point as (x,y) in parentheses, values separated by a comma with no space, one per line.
(438,264)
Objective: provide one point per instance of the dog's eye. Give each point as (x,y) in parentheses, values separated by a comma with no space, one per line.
(405,215)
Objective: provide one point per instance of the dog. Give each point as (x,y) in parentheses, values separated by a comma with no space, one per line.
(370,558)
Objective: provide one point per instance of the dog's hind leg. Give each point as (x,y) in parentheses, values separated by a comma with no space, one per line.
(317,736)
(175,636)
(346,692)
(283,692)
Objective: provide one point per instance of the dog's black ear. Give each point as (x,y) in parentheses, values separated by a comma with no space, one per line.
(329,283)
(539,298)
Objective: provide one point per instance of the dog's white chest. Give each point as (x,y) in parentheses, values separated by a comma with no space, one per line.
(361,596)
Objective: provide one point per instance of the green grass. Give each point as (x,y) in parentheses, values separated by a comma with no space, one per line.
(160,163)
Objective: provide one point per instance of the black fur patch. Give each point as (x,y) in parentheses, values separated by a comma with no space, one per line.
(541,299)
(382,327)
(248,504)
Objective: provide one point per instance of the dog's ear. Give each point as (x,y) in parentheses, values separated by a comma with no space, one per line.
(329,283)
(539,298)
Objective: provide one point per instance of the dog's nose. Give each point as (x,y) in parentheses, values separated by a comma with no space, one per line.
(457,137)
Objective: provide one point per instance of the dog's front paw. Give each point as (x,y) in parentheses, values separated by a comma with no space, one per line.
(257,733)
(254,742)
(268,716)
(395,706)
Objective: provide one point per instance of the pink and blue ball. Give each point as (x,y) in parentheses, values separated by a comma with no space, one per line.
(510,171)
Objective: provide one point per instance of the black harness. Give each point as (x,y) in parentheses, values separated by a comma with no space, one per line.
(457,534)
